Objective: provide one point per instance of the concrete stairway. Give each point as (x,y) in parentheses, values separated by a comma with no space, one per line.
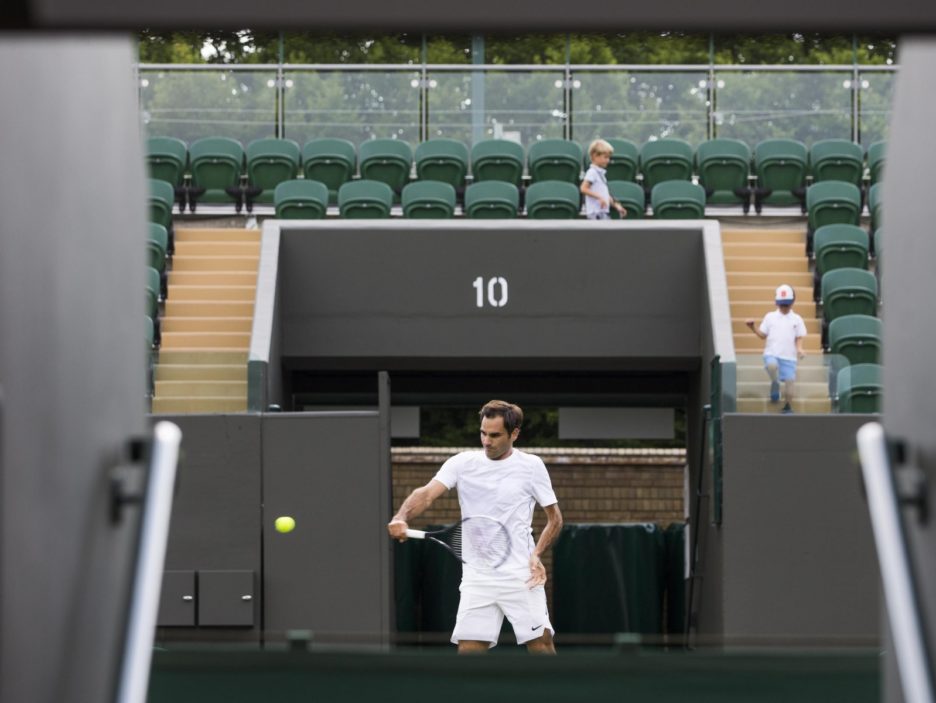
(206,323)
(756,262)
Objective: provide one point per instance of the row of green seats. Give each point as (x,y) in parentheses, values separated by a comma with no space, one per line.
(220,170)
(842,245)
(847,291)
(839,202)
(308,199)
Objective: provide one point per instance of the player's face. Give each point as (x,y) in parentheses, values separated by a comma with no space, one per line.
(495,440)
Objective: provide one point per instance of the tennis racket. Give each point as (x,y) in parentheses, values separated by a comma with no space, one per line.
(476,541)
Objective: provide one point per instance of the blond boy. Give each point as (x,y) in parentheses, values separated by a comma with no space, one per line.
(598,200)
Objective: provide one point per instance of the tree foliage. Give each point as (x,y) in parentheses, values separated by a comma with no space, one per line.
(650,48)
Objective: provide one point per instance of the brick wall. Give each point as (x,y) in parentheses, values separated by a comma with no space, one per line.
(592,485)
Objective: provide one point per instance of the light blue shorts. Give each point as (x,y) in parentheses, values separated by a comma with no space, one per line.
(787,367)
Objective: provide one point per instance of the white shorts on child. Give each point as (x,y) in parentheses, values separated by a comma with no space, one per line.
(482,608)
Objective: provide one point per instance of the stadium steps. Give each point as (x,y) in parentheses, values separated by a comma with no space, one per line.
(206,322)
(756,262)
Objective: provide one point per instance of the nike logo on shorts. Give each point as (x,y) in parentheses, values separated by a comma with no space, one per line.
(536,628)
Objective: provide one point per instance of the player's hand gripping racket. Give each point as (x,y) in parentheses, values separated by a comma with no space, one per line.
(476,541)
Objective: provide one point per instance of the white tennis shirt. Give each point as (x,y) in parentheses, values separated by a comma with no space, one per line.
(782,331)
(505,490)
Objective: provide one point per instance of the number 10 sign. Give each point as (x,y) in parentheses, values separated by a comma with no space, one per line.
(496,291)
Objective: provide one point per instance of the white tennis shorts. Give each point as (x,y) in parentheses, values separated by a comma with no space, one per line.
(482,608)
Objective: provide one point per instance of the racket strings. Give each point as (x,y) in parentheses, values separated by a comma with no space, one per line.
(482,542)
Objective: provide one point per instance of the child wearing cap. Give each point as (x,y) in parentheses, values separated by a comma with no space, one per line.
(784,331)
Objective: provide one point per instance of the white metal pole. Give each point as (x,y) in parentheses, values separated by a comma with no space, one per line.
(899,591)
(147,580)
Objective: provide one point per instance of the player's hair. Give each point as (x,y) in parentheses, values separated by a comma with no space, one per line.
(599,146)
(512,414)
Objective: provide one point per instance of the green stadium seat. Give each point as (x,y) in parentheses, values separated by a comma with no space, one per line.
(492,200)
(443,160)
(365,200)
(149,337)
(665,160)
(829,203)
(877,244)
(876,161)
(269,163)
(157,246)
(428,200)
(625,161)
(857,337)
(837,160)
(216,164)
(677,200)
(631,196)
(874,205)
(386,160)
(723,166)
(301,199)
(839,246)
(153,292)
(780,166)
(555,160)
(161,197)
(847,292)
(149,332)
(497,160)
(167,160)
(859,389)
(329,161)
(553,200)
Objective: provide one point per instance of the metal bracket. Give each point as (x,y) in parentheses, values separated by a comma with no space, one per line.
(910,481)
(127,479)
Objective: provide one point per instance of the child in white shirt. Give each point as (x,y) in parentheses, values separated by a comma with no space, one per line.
(598,201)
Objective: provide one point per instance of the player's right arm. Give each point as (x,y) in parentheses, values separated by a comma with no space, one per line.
(415,504)
(755,330)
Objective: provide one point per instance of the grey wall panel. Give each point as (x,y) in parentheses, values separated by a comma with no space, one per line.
(72,233)
(217,510)
(398,291)
(909,330)
(798,556)
(330,574)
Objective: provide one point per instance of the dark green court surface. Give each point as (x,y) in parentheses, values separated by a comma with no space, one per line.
(634,677)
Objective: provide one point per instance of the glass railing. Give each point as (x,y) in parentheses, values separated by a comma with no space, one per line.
(190,103)
(752,105)
(641,104)
(825,383)
(353,105)
(521,103)
(522,106)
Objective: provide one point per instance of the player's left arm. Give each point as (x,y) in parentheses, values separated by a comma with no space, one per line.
(547,537)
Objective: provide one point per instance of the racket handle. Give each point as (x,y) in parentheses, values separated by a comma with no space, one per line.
(416,534)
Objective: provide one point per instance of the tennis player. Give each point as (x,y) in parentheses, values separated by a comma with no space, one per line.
(503,483)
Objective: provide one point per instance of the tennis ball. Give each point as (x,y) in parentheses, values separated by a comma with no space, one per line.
(284,524)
